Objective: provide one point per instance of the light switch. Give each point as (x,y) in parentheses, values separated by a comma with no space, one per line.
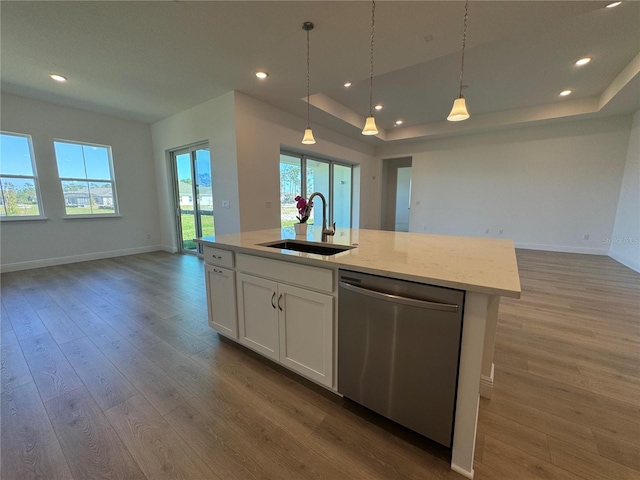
(225,204)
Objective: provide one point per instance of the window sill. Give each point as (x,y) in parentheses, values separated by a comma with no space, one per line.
(84,217)
(23,219)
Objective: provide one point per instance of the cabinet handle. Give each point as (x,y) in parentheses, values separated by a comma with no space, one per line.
(279,300)
(216,256)
(273,298)
(215,270)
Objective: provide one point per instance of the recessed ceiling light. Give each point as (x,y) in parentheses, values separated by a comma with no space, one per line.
(613,5)
(348,84)
(58,78)
(378,107)
(261,75)
(564,93)
(583,61)
(399,122)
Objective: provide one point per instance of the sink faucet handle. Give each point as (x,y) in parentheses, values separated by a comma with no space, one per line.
(331,230)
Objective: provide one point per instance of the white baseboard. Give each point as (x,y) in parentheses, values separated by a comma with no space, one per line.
(486,384)
(169,248)
(465,473)
(49,262)
(562,248)
(633,264)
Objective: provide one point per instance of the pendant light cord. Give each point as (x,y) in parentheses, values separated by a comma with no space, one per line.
(464,43)
(373,16)
(308,123)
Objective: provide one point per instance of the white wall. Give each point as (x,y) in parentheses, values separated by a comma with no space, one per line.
(57,240)
(545,186)
(625,240)
(262,130)
(212,121)
(245,137)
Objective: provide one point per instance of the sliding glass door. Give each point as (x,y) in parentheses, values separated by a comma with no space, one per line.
(303,175)
(194,196)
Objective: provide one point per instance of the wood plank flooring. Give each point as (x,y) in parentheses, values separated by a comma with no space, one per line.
(109,370)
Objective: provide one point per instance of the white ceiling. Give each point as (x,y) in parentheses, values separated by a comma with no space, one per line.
(148,60)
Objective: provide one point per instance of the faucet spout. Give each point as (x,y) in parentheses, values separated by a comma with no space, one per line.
(325,231)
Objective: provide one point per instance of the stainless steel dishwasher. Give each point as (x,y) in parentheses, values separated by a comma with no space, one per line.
(399,349)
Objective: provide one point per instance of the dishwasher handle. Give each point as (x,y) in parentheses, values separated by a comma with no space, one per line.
(412,302)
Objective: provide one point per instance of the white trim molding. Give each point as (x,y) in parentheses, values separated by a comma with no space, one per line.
(486,384)
(49,262)
(562,248)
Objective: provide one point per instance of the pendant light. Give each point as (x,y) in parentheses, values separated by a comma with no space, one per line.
(370,124)
(308,134)
(459,111)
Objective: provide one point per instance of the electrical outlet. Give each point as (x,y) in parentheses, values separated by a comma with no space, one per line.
(501,231)
(148,236)
(267,204)
(225,204)
(486,230)
(418,202)
(586,236)
(424,228)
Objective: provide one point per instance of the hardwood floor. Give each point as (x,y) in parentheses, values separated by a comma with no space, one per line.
(109,370)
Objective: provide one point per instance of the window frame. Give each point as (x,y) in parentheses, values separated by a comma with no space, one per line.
(36,184)
(112,181)
(303,179)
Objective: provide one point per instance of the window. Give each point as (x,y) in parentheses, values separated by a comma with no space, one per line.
(86,175)
(19,192)
(303,175)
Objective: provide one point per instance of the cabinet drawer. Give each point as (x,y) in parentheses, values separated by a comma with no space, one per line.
(221,298)
(216,256)
(287,272)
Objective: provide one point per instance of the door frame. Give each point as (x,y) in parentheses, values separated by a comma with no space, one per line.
(190,149)
(390,168)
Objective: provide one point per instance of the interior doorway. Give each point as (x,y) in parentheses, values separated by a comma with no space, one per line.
(396,194)
(193,196)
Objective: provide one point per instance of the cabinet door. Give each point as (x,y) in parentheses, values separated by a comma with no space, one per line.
(306,332)
(221,294)
(258,314)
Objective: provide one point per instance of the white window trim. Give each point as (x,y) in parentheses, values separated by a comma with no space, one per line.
(36,184)
(303,177)
(112,181)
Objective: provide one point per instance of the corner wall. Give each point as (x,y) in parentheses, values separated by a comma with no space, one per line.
(261,131)
(58,240)
(545,186)
(625,240)
(212,121)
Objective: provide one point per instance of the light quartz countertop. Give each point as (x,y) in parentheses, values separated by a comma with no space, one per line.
(480,265)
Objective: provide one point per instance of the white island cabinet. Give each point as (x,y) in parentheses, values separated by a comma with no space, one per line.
(221,291)
(287,301)
(281,320)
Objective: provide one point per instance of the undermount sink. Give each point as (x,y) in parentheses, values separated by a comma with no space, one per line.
(308,247)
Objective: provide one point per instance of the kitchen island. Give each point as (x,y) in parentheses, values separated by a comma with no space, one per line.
(282,303)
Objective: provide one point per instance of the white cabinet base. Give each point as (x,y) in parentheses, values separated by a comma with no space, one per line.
(258,315)
(221,299)
(306,333)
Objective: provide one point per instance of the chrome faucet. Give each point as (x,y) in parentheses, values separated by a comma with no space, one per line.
(325,231)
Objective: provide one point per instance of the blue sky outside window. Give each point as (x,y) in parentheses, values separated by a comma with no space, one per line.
(82,161)
(15,155)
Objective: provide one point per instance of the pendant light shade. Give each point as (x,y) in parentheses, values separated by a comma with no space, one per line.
(459,111)
(370,127)
(308,134)
(308,137)
(370,124)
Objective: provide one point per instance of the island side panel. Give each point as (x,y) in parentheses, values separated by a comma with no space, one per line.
(474,322)
(486,378)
